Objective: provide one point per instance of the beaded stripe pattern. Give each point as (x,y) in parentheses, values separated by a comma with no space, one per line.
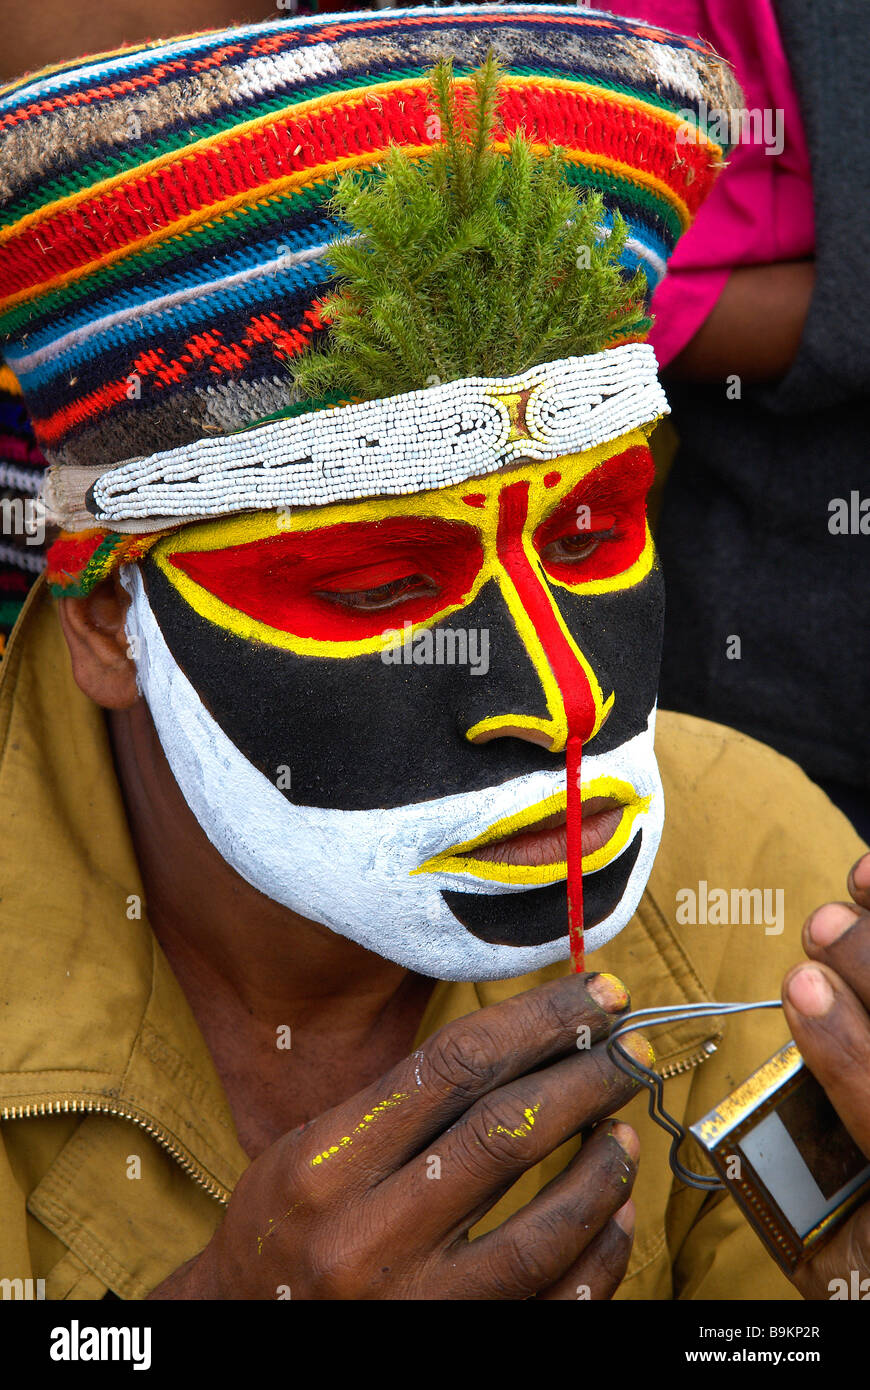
(419,440)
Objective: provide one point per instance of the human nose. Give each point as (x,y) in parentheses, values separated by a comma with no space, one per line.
(556,695)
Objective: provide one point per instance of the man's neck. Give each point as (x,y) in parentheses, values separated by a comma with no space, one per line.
(296,1017)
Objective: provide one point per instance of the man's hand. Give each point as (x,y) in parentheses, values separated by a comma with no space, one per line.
(374,1199)
(828,1007)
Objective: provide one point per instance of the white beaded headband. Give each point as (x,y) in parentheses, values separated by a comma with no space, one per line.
(404,444)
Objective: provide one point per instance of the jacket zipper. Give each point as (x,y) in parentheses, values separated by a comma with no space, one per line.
(73,1106)
(687,1063)
(193,1170)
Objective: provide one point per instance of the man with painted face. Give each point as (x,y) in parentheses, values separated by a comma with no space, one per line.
(347,636)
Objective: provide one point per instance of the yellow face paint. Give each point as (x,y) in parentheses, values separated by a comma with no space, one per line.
(445,504)
(460,859)
(282,629)
(500,530)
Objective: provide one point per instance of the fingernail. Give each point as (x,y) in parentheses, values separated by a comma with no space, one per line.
(640,1048)
(626,1139)
(609,992)
(830,922)
(861,873)
(624,1218)
(810,992)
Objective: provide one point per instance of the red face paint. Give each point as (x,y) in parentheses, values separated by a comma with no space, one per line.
(569,673)
(574,851)
(611,500)
(294,581)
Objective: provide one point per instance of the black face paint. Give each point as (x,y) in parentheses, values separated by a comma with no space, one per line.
(527,919)
(359,734)
(417,727)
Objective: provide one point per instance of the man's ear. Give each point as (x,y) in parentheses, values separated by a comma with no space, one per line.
(98,645)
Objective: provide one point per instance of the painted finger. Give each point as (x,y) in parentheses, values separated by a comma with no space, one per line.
(533,1249)
(389,1123)
(601,1268)
(508,1132)
(832,1031)
(838,935)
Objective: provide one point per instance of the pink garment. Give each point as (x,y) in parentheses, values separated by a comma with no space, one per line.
(761,208)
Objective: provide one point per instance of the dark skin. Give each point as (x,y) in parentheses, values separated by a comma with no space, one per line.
(352,1012)
(755,326)
(354,1016)
(345,1147)
(827,1005)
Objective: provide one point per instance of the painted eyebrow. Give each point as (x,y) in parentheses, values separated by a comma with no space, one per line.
(605,487)
(417,529)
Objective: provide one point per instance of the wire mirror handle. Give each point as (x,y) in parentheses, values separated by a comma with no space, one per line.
(654,1083)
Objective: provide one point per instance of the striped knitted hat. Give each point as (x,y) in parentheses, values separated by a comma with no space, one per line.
(163,227)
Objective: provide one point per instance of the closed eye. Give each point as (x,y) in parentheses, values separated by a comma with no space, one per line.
(390,595)
(340,583)
(568,549)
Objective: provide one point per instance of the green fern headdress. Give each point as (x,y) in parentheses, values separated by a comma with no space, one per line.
(481,260)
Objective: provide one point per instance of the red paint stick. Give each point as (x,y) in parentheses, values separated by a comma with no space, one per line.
(574,813)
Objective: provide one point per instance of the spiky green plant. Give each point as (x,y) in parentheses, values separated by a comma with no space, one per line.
(471,262)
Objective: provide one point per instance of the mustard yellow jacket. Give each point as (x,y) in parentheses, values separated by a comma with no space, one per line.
(102,1062)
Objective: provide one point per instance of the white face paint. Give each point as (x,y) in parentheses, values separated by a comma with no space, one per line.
(356,871)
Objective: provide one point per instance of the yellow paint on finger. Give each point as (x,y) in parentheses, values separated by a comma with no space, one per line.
(347,1139)
(273,1226)
(521,1130)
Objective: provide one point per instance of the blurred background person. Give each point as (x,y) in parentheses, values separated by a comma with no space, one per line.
(763,317)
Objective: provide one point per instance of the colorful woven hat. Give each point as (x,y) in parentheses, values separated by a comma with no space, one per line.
(163,227)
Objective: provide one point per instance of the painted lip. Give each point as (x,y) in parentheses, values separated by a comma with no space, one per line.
(529,847)
(546,842)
